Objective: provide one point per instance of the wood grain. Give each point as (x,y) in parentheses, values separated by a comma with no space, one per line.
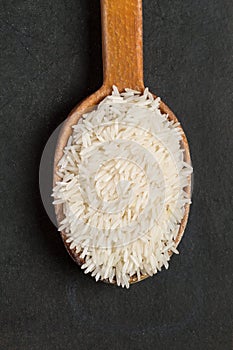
(122,43)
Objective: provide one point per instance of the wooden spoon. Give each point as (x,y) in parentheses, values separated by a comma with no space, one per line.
(123,67)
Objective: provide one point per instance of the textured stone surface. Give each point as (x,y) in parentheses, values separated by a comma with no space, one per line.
(50,58)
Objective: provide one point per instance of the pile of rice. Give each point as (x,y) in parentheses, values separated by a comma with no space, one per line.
(122,181)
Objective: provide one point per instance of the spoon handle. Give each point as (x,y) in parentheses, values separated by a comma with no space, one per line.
(122,43)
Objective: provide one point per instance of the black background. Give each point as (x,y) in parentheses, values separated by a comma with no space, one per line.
(50,59)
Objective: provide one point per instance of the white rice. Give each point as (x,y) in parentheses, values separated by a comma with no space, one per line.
(122,180)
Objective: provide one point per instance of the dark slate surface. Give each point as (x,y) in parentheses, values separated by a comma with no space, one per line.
(50,58)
